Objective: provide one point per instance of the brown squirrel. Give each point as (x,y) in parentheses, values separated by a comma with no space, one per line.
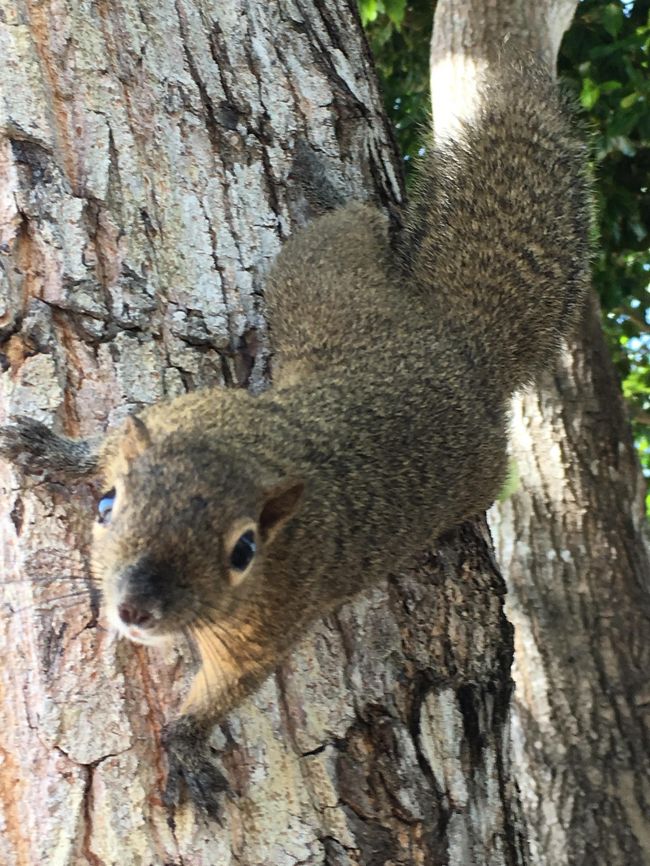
(241,519)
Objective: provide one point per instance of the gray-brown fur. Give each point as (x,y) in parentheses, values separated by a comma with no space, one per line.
(504,243)
(387,421)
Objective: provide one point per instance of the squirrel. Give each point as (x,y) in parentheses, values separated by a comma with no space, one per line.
(239,520)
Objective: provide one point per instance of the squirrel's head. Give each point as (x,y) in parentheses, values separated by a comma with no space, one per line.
(182,531)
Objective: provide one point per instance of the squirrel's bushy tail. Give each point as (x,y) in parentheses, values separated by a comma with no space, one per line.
(498,228)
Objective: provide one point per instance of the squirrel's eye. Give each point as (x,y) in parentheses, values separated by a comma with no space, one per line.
(243,552)
(105,506)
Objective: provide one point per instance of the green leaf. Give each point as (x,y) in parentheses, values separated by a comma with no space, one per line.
(590,93)
(512,482)
(629,100)
(369,11)
(607,87)
(396,9)
(612,17)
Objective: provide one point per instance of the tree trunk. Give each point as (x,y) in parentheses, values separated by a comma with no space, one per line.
(146,150)
(571,542)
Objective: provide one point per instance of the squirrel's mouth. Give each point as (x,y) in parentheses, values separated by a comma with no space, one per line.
(142,636)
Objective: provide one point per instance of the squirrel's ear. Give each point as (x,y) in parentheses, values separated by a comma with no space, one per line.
(281,502)
(135,439)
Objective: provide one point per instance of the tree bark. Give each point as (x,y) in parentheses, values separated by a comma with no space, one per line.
(571,542)
(146,151)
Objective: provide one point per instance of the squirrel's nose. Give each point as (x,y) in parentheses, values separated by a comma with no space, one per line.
(131,614)
(141,590)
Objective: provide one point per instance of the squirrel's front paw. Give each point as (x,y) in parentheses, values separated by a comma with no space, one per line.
(191,767)
(34,448)
(27,443)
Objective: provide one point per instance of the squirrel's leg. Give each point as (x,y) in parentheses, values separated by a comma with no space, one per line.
(34,448)
(221,684)
(191,770)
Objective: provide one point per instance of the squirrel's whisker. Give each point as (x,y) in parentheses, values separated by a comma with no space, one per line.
(36,579)
(44,604)
(188,634)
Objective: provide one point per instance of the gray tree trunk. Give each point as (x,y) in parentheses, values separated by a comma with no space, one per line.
(146,152)
(571,543)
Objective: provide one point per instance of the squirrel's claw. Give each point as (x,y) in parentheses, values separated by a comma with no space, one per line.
(203,783)
(191,769)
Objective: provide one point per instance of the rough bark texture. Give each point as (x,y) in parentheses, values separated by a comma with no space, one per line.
(571,542)
(145,153)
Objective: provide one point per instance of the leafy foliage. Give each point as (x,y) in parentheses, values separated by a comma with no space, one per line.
(605,60)
(399,36)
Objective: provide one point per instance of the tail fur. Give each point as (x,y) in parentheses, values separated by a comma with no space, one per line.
(498,228)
